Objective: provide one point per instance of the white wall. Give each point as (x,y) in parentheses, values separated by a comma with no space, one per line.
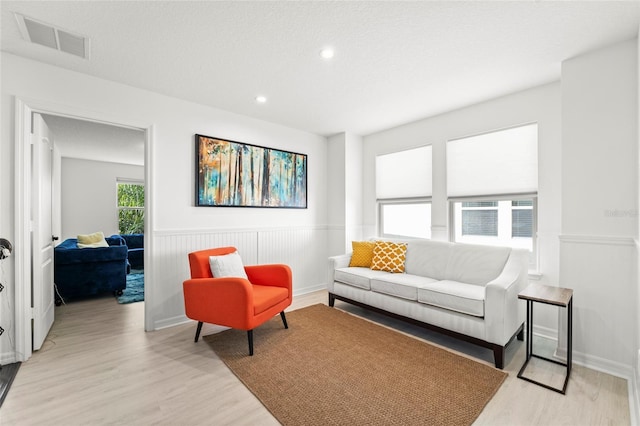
(176,226)
(353,190)
(344,183)
(89,195)
(599,203)
(336,187)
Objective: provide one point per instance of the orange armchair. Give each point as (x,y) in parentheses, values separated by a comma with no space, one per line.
(238,303)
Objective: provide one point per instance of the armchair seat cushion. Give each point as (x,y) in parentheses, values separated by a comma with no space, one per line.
(264,297)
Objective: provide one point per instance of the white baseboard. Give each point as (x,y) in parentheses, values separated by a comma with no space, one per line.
(7,358)
(311,289)
(547,333)
(634,399)
(171,322)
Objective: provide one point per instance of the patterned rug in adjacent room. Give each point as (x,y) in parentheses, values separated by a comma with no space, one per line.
(331,367)
(135,288)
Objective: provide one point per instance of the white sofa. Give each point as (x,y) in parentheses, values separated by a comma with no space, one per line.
(466,291)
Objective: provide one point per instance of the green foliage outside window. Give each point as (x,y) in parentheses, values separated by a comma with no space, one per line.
(130,208)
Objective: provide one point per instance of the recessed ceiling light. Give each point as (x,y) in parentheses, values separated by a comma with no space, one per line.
(327,53)
(261,99)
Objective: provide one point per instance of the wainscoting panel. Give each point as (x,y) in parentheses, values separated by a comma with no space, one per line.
(303,249)
(601,271)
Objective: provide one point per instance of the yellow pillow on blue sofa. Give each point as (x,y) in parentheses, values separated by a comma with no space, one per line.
(92,240)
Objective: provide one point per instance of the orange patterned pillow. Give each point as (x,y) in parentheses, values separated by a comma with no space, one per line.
(362,253)
(388,256)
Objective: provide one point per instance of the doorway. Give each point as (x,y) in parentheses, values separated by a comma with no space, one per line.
(23,205)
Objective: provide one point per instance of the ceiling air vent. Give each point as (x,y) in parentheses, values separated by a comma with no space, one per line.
(47,35)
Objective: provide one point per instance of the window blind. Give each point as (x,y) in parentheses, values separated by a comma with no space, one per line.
(404,174)
(502,162)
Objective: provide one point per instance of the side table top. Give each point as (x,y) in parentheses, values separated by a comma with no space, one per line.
(547,294)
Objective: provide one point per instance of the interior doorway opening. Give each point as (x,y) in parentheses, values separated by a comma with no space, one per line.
(25,111)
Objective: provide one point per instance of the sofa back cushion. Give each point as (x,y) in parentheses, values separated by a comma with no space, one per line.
(134,240)
(428,258)
(475,264)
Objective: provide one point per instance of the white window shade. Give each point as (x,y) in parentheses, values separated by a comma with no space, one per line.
(404,174)
(503,162)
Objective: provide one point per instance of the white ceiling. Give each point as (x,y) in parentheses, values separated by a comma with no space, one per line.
(395,62)
(96,141)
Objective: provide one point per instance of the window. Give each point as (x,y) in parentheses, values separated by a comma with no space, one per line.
(480,218)
(405,219)
(492,185)
(504,222)
(522,219)
(130,207)
(403,191)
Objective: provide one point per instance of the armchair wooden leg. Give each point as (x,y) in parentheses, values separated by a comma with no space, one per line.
(284,319)
(198,331)
(250,336)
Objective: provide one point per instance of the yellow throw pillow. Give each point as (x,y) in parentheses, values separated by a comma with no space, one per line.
(92,240)
(388,256)
(362,253)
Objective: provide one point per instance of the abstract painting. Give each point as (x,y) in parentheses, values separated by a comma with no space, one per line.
(235,174)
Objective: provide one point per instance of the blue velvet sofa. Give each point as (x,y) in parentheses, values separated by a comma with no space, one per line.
(82,272)
(135,244)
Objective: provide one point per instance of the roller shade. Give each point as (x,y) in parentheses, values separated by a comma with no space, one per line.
(502,162)
(404,174)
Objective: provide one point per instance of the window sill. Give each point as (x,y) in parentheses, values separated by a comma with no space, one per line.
(535,276)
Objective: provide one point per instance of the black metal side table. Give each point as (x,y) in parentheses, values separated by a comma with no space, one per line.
(557,296)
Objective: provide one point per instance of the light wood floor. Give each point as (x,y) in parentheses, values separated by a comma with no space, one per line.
(99,367)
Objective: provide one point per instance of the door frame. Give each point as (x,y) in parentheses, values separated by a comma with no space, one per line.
(22,201)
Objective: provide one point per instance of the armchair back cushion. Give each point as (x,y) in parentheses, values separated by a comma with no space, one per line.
(199,261)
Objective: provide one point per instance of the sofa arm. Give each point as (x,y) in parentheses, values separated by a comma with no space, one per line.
(336,262)
(504,313)
(222,301)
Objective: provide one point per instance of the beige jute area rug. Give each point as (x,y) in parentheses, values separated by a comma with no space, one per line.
(333,368)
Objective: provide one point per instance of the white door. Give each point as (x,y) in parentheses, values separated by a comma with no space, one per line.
(42,237)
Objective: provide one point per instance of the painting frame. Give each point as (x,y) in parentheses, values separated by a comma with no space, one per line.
(237,174)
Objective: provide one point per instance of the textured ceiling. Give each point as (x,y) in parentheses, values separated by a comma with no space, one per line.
(395,62)
(96,141)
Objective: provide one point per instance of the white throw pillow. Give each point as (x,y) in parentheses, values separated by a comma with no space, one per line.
(228,265)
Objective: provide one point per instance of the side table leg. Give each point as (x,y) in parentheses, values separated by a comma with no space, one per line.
(529,329)
(569,336)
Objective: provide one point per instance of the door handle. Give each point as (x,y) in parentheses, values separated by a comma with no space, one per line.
(54,238)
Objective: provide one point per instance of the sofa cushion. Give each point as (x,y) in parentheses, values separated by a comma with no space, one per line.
(428,258)
(362,253)
(389,256)
(455,296)
(357,277)
(475,264)
(400,285)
